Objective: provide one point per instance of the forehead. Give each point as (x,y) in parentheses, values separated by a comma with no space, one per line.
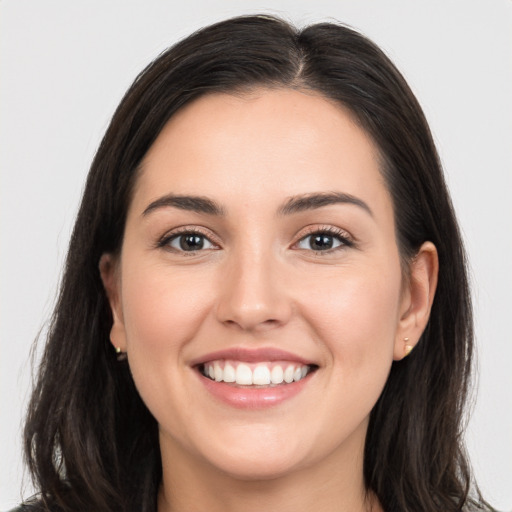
(261,144)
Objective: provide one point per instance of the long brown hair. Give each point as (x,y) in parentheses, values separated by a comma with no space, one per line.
(91,443)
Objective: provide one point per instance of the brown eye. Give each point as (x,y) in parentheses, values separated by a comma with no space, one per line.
(323,241)
(189,242)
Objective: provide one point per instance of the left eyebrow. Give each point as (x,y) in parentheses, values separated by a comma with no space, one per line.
(306,202)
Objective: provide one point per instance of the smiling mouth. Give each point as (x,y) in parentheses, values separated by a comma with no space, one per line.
(262,374)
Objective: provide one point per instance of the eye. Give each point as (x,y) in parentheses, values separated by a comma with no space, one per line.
(187,241)
(324,241)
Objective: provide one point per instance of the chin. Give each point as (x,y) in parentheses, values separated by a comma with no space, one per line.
(258,468)
(261,455)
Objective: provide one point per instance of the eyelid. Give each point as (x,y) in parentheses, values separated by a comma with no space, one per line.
(164,240)
(346,238)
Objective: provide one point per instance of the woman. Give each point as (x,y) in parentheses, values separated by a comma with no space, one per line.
(265,302)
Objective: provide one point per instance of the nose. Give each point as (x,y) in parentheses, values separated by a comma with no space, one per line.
(253,293)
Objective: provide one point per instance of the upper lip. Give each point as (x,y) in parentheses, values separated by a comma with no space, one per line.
(251,355)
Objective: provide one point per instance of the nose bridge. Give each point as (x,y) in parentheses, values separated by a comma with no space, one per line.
(253,296)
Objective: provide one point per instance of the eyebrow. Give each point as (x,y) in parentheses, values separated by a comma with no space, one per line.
(295,204)
(313,201)
(197,204)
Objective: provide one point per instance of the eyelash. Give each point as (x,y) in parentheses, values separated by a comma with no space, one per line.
(164,242)
(341,235)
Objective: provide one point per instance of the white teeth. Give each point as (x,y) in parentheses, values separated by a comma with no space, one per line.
(243,375)
(288,374)
(276,375)
(258,375)
(217,372)
(229,373)
(261,375)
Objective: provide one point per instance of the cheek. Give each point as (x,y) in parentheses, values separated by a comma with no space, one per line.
(162,308)
(162,312)
(356,315)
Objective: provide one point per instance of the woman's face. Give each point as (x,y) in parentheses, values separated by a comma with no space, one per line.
(260,249)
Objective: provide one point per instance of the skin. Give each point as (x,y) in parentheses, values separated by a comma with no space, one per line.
(258,283)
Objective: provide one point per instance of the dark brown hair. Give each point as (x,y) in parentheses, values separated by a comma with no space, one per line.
(91,444)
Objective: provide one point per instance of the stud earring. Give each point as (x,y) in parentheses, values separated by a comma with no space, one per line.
(408,348)
(121,356)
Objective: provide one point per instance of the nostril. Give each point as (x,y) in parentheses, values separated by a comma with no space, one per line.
(247,324)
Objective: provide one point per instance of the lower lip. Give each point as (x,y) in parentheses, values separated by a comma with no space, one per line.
(251,397)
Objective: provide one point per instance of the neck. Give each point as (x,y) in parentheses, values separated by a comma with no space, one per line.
(195,486)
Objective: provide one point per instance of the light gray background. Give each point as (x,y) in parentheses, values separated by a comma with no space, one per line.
(64,67)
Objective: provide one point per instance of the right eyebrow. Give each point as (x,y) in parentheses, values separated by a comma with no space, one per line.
(197,204)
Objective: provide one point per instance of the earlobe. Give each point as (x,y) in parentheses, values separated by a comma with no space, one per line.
(417,299)
(109,273)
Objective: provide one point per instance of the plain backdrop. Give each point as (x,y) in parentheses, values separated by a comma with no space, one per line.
(63,69)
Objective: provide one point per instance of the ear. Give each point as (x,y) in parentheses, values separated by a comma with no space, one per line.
(417,298)
(109,271)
